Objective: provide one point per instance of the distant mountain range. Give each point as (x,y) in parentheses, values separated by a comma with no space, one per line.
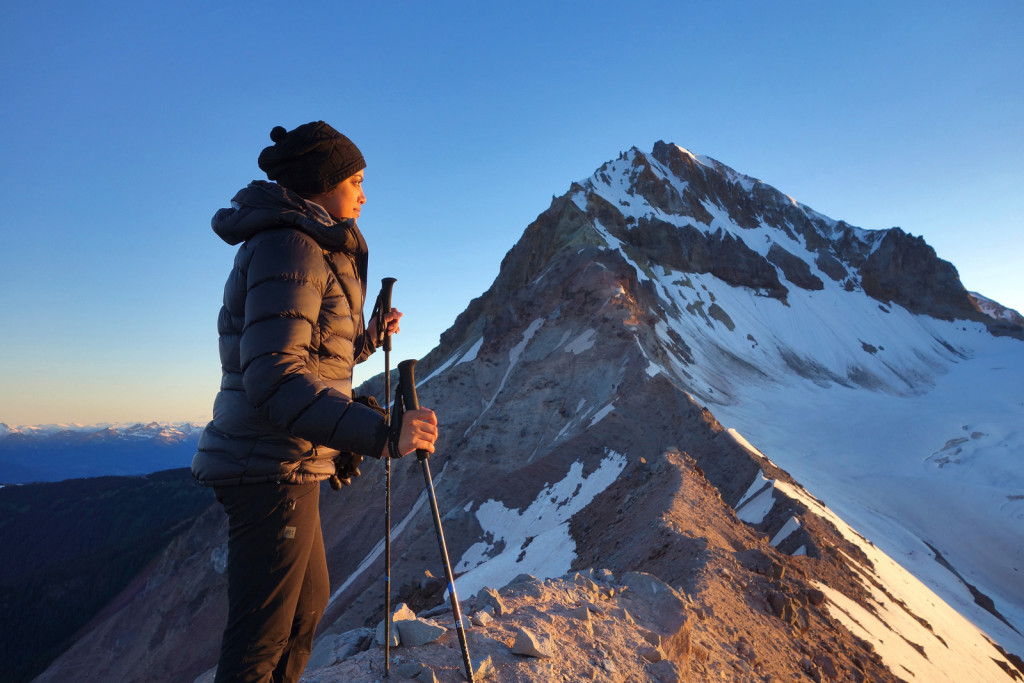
(807,432)
(48,453)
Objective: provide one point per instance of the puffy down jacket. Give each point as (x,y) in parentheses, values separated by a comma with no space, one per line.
(291,329)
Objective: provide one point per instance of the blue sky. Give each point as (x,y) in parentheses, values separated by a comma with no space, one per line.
(126,125)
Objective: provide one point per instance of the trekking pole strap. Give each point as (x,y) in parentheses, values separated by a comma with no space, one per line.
(395,428)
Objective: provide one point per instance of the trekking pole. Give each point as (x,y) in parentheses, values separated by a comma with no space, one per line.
(384,302)
(407,386)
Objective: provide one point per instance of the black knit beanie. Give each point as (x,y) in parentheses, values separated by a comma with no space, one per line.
(311,159)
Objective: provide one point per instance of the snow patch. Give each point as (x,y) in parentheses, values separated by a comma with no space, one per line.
(513,358)
(738,438)
(787,530)
(907,645)
(600,415)
(471,354)
(535,540)
(583,342)
(760,481)
(456,359)
(757,508)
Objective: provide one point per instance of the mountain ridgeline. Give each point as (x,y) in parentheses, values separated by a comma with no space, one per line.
(581,400)
(690,215)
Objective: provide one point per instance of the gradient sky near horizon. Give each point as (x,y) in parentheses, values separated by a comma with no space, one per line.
(126,125)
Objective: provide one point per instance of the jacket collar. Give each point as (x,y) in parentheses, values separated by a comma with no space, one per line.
(264,205)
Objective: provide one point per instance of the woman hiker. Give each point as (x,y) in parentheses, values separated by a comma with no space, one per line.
(291,329)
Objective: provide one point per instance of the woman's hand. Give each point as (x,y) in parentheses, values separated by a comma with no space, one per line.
(419,431)
(391,319)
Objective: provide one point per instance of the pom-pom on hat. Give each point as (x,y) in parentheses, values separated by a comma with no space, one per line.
(311,159)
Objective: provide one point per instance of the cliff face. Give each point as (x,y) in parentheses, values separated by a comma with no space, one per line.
(904,270)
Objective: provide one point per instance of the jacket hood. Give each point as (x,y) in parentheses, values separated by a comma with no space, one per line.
(264,206)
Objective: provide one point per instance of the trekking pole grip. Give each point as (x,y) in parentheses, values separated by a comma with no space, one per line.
(407,385)
(386,284)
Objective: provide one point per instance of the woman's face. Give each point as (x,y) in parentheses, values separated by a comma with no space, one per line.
(347,199)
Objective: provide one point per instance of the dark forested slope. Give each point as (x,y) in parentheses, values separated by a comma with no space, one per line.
(71,546)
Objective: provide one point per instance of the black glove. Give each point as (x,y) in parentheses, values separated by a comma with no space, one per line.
(370,402)
(346,467)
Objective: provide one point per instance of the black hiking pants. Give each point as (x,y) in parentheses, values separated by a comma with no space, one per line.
(277,581)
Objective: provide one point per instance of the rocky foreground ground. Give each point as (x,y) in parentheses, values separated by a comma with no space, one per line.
(594,626)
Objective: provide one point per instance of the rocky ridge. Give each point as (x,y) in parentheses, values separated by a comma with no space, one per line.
(737,608)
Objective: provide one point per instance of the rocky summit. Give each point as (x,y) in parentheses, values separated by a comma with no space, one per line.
(623,413)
